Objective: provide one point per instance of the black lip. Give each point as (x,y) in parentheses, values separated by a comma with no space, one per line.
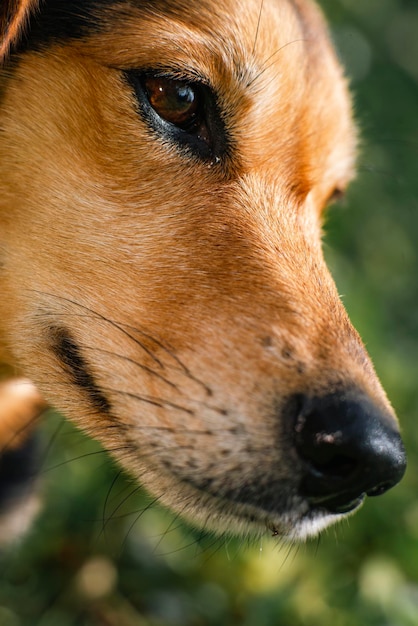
(338,506)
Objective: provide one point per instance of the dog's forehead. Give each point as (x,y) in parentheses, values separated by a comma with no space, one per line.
(244,38)
(58,20)
(272,58)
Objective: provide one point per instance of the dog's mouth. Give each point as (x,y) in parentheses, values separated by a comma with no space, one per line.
(340,505)
(290,517)
(299,522)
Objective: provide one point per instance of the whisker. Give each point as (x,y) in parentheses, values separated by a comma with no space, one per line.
(258,28)
(113,515)
(137,518)
(84,456)
(289,549)
(159,402)
(216,540)
(172,354)
(141,366)
(170,529)
(105,503)
(194,542)
(105,319)
(124,328)
(266,65)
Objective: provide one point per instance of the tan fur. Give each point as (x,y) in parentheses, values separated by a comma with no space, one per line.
(198,293)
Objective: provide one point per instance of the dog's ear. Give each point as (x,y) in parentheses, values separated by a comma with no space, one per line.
(13,18)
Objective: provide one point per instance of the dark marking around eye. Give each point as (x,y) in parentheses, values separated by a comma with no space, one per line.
(185,113)
(68,352)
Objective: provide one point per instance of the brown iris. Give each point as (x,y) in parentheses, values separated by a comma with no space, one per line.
(175,101)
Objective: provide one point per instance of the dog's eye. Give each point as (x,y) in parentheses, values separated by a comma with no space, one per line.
(173,100)
(336,196)
(184,112)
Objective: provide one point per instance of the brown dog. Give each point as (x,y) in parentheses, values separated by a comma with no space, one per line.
(164,168)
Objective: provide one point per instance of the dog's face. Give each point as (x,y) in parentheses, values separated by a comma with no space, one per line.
(164,168)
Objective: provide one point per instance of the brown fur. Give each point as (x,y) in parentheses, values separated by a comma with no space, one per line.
(197,292)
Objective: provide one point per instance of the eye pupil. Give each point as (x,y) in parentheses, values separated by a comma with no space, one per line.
(175,101)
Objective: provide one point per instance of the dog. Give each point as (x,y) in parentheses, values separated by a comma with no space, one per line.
(165,168)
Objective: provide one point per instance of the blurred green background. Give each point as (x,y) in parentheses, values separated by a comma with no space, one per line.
(103,554)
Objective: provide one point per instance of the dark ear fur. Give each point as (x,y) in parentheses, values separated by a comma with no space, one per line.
(13,17)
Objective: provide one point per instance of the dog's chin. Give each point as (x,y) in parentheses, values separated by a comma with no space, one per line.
(315,522)
(242,520)
(298,522)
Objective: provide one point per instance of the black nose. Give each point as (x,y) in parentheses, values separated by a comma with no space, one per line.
(349,449)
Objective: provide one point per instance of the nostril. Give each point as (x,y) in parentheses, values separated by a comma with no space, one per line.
(347,448)
(338,467)
(380,489)
(322,450)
